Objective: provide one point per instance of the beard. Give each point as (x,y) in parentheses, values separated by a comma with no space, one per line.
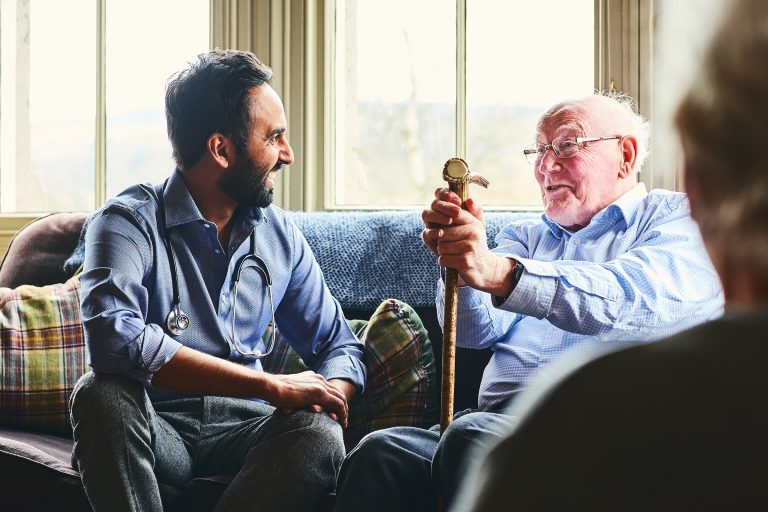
(246,181)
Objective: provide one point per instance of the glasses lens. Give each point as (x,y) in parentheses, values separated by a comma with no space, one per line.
(534,153)
(565,147)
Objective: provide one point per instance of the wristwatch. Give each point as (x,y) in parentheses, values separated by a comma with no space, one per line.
(517,273)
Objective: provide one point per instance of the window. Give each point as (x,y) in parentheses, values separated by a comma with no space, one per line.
(81,96)
(47,112)
(409,91)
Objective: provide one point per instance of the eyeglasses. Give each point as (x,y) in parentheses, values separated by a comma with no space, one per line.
(562,147)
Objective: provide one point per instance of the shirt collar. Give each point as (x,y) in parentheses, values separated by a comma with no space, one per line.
(180,208)
(625,207)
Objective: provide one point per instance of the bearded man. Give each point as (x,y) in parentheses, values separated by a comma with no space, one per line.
(180,281)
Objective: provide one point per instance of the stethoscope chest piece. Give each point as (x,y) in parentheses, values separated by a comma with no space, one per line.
(177,321)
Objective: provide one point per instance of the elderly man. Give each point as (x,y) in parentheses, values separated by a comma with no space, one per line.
(608,261)
(678,424)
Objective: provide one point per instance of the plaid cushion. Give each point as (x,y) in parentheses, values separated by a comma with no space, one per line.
(402,382)
(42,354)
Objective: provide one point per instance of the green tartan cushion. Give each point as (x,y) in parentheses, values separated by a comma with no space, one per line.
(42,354)
(401,388)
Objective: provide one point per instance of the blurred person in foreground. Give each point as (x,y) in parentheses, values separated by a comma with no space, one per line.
(608,261)
(679,424)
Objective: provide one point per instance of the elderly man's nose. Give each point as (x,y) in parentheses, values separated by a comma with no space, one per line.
(549,162)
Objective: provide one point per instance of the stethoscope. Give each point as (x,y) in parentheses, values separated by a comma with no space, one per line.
(177,321)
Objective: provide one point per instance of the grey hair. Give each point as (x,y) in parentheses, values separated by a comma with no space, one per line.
(626,115)
(639,126)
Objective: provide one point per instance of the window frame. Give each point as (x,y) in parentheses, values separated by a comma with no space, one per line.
(10,223)
(294,38)
(624,34)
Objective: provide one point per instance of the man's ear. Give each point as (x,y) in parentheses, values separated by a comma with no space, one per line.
(221,150)
(628,155)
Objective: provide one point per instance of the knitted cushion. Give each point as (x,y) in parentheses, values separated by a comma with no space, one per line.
(42,354)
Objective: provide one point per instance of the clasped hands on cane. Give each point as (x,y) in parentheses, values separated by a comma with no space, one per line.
(458,238)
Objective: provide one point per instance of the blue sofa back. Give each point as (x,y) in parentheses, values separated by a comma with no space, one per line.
(367,257)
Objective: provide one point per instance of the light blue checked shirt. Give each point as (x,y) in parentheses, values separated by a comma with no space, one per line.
(126,289)
(638,271)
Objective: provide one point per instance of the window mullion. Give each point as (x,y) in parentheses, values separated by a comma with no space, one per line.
(101,106)
(461,78)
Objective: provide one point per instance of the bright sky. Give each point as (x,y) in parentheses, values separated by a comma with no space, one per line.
(147,41)
(517,51)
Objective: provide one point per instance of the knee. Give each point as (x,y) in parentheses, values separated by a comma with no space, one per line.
(104,393)
(373,447)
(462,440)
(400,449)
(456,443)
(322,436)
(462,430)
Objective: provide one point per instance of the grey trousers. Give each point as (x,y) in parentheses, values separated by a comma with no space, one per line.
(125,445)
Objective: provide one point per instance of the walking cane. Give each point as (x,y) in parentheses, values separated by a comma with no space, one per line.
(456,173)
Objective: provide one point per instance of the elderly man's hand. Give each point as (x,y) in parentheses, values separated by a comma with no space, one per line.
(440,214)
(457,237)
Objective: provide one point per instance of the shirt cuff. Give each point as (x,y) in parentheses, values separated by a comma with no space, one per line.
(344,367)
(166,349)
(534,293)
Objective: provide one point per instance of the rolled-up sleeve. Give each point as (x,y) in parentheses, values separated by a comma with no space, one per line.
(114,300)
(313,322)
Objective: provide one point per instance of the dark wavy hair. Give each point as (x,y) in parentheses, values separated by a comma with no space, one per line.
(211,96)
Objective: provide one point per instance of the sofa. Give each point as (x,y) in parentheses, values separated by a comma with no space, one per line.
(366,257)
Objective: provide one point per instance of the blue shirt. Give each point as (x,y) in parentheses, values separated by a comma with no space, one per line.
(127,292)
(638,271)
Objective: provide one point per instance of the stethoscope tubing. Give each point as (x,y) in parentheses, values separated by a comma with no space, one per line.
(177,321)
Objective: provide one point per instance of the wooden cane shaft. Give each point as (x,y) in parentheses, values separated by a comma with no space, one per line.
(449,331)
(449,348)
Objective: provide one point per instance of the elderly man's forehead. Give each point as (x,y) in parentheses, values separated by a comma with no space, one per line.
(564,116)
(584,115)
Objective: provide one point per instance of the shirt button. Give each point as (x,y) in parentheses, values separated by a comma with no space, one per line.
(577,241)
(217,251)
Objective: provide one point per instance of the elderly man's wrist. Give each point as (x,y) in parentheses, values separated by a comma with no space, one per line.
(509,276)
(501,285)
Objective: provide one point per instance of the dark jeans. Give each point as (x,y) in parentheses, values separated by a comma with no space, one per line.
(405,468)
